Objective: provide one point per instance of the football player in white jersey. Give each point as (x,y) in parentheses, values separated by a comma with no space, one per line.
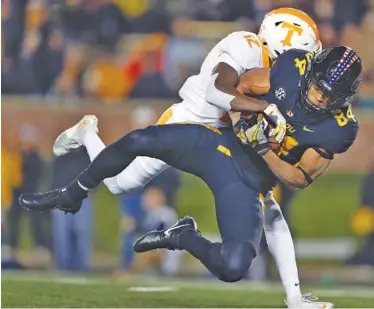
(207,98)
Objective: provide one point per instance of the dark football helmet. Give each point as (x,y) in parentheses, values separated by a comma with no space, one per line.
(336,74)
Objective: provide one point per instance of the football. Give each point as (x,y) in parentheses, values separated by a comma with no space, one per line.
(255,82)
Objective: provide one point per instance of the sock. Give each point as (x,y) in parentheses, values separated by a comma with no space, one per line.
(93,144)
(281,246)
(77,191)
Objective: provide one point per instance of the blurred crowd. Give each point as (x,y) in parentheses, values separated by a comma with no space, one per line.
(109,50)
(65,241)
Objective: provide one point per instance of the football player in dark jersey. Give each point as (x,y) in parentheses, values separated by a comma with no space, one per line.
(320,123)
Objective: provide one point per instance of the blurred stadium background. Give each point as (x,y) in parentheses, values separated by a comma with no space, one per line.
(125,60)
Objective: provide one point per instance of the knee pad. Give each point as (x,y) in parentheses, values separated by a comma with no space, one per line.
(237,257)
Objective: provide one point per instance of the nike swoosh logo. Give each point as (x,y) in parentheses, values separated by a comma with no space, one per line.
(167,232)
(307,130)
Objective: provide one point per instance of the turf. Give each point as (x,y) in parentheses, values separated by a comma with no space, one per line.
(62,291)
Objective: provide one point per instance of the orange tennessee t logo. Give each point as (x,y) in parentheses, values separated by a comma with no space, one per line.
(291,30)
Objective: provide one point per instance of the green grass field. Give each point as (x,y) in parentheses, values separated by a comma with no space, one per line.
(36,290)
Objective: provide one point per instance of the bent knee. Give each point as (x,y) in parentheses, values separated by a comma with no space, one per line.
(238,257)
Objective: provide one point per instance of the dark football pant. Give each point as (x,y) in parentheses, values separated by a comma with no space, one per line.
(202,151)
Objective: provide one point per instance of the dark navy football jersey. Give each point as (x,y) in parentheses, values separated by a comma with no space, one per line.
(333,132)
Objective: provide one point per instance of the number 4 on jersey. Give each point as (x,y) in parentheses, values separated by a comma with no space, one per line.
(301,64)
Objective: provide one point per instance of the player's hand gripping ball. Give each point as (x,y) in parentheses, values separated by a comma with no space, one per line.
(275,117)
(248,123)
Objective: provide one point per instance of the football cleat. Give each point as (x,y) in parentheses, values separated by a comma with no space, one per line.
(72,138)
(307,300)
(55,199)
(165,239)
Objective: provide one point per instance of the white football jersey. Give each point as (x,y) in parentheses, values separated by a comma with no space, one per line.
(242,51)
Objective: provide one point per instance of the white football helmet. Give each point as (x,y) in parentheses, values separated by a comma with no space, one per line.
(286,28)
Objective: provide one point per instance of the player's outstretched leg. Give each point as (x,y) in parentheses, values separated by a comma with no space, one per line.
(84,133)
(240,224)
(112,160)
(228,261)
(168,143)
(281,246)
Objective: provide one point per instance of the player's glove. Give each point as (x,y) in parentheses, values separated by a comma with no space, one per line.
(255,135)
(275,117)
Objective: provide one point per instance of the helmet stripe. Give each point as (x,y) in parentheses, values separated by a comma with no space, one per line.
(348,58)
(299,14)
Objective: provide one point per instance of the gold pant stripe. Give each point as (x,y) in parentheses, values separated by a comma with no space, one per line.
(224,150)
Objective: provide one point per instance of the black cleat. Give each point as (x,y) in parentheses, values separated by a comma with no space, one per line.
(165,239)
(55,199)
